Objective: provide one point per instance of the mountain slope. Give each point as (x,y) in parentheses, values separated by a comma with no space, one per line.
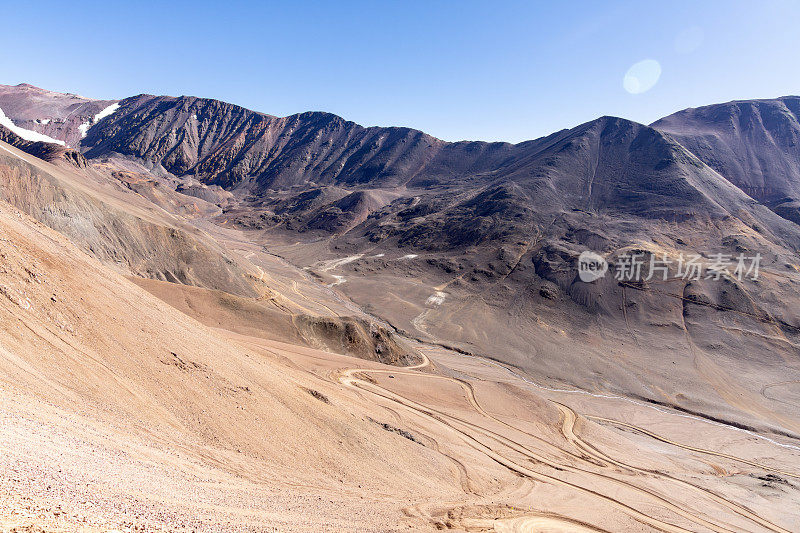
(500,227)
(609,166)
(94,369)
(115,225)
(47,151)
(494,221)
(753,143)
(223,144)
(490,264)
(525,391)
(227,145)
(65,117)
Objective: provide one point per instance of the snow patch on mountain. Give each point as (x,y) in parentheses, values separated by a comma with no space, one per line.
(325,266)
(84,128)
(105,112)
(28,135)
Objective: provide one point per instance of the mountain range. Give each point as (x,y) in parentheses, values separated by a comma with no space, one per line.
(389,245)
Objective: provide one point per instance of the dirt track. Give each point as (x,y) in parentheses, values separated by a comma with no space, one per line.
(121,411)
(587,454)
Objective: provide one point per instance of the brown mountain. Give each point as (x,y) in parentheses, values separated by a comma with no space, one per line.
(61,116)
(43,150)
(114,224)
(755,144)
(527,398)
(492,220)
(224,144)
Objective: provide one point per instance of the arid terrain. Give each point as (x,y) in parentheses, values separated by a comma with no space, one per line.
(212,319)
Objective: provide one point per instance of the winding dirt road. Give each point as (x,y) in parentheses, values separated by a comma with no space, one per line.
(574,463)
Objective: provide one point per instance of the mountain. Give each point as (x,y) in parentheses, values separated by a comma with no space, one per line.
(489,263)
(755,144)
(65,117)
(607,166)
(112,218)
(94,367)
(268,158)
(47,151)
(227,145)
(494,220)
(304,273)
(114,226)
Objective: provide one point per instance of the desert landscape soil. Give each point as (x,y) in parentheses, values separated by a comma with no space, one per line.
(132,402)
(121,413)
(140,417)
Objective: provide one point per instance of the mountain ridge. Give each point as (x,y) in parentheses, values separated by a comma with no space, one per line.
(755,144)
(238,148)
(446,276)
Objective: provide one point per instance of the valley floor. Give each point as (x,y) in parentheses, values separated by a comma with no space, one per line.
(527,458)
(151,406)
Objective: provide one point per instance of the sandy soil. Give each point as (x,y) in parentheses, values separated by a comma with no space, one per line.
(121,412)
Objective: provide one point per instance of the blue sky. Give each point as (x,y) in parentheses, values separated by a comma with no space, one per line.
(458,70)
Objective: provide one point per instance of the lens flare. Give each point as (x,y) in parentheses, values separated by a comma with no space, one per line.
(642,76)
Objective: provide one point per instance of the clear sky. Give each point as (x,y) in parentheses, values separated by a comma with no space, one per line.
(458,70)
